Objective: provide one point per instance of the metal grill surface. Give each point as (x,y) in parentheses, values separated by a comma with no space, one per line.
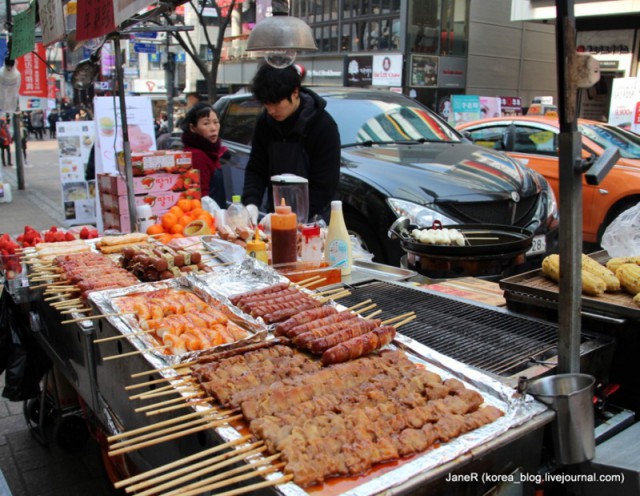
(491,340)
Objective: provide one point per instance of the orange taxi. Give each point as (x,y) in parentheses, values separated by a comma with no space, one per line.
(534,141)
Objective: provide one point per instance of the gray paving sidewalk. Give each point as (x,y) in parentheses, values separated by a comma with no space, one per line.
(29,468)
(40,203)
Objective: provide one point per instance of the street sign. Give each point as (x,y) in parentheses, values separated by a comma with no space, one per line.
(152,34)
(144,48)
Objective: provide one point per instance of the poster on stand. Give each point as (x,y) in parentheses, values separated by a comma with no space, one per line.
(109,129)
(465,108)
(490,106)
(625,94)
(75,140)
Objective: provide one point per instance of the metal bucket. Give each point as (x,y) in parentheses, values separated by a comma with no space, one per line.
(571,396)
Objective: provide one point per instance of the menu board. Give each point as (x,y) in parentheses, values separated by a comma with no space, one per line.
(75,140)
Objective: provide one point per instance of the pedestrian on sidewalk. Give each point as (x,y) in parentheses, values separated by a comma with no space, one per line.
(52,118)
(24,134)
(37,121)
(5,142)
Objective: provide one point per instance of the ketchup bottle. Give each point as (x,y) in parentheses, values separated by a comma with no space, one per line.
(284,235)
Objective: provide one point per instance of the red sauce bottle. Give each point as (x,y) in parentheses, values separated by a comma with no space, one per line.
(284,235)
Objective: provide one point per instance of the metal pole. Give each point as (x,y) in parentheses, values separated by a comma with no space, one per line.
(570,192)
(17,137)
(126,147)
(169,78)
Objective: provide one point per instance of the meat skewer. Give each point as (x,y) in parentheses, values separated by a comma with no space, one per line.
(303,339)
(270,289)
(302,318)
(359,346)
(353,330)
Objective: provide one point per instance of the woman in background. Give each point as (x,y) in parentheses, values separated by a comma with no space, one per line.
(201,129)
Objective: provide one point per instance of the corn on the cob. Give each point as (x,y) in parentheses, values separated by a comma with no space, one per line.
(629,275)
(591,284)
(616,262)
(610,279)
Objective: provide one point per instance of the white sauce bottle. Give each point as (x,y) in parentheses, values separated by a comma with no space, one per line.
(338,248)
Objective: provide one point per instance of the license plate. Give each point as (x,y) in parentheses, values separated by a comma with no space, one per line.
(538,246)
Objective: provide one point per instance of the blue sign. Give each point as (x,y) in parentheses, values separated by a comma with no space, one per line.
(144,47)
(152,35)
(155,57)
(181,57)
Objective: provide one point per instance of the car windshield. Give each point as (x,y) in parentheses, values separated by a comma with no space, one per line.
(607,136)
(371,119)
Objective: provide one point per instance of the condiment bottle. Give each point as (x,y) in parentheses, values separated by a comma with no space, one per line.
(256,248)
(237,216)
(311,243)
(284,235)
(338,247)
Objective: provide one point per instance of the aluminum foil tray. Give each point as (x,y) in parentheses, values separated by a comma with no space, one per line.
(104,302)
(519,410)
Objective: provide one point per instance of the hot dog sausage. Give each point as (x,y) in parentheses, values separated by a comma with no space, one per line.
(357,347)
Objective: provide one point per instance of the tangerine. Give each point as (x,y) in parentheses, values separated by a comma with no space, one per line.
(155,229)
(185,220)
(177,235)
(169,220)
(196,204)
(207,217)
(164,238)
(177,228)
(177,211)
(185,204)
(195,212)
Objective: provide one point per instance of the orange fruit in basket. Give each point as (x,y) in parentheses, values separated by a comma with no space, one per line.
(177,235)
(185,204)
(164,238)
(155,229)
(177,228)
(177,211)
(196,204)
(195,212)
(185,220)
(169,220)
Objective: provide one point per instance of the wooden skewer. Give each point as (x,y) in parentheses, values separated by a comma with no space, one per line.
(229,473)
(57,297)
(315,281)
(179,407)
(365,309)
(177,463)
(248,489)
(65,302)
(161,432)
(170,437)
(171,421)
(373,314)
(168,367)
(91,317)
(329,291)
(336,296)
(60,290)
(121,336)
(177,477)
(224,264)
(405,321)
(359,304)
(171,390)
(144,395)
(75,310)
(308,279)
(397,317)
(131,353)
(149,383)
(199,394)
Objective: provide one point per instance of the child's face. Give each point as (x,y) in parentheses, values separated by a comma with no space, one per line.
(208,127)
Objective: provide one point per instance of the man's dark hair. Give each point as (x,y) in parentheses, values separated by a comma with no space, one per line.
(271,85)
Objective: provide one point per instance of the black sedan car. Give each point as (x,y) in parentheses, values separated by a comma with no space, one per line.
(400,159)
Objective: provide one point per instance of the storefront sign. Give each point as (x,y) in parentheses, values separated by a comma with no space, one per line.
(34,73)
(625,93)
(490,106)
(452,72)
(75,140)
(23,34)
(465,108)
(144,48)
(359,70)
(387,70)
(510,105)
(424,71)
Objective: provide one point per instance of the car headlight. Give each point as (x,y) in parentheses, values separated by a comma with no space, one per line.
(419,215)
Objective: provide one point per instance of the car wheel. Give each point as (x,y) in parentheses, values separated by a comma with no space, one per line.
(614,212)
(363,232)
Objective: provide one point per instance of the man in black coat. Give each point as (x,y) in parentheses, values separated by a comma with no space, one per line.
(294,134)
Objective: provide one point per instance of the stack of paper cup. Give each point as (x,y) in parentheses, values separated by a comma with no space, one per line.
(144,213)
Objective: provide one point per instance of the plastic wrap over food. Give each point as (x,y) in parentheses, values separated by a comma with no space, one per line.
(248,275)
(423,467)
(126,324)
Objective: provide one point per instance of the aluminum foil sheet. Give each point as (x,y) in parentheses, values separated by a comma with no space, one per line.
(518,410)
(238,278)
(104,302)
